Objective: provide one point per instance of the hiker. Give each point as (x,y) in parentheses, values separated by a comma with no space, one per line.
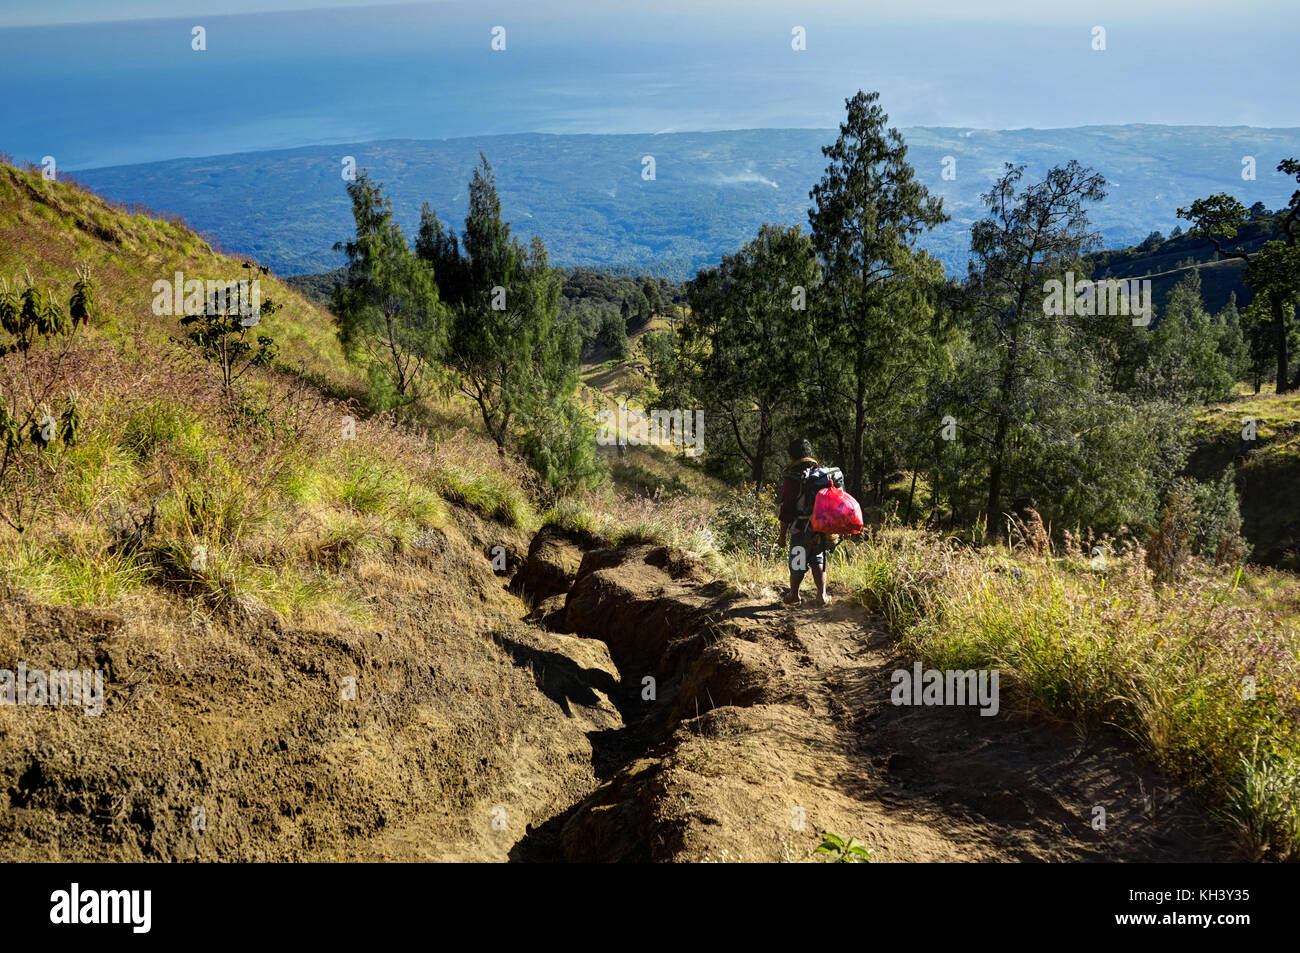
(807,548)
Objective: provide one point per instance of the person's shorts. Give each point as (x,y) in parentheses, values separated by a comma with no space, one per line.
(807,549)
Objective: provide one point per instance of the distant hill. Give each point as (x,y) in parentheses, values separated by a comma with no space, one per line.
(1168,260)
(586,197)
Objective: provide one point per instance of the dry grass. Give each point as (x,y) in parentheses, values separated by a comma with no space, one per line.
(674,519)
(262,502)
(257,502)
(50,228)
(1201,675)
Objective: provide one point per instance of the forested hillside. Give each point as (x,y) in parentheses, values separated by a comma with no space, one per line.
(1166,260)
(591,200)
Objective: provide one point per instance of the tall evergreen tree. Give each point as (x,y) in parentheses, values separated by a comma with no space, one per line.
(875,315)
(1259,324)
(1030,235)
(750,313)
(1188,358)
(558,434)
(514,354)
(1233,344)
(1273,272)
(613,335)
(490,345)
(437,245)
(654,302)
(387,305)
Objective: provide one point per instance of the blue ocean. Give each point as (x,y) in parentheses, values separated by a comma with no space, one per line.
(134,91)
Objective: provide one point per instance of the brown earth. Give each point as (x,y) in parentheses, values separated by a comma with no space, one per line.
(772,719)
(240,723)
(676,719)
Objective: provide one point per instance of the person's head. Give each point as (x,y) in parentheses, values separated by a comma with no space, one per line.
(799,448)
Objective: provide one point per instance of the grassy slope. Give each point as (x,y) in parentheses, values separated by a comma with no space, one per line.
(1268,470)
(322,558)
(263,500)
(1201,675)
(49,229)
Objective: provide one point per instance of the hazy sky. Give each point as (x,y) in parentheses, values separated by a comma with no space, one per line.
(34,12)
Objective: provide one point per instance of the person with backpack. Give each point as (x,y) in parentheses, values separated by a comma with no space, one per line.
(807,548)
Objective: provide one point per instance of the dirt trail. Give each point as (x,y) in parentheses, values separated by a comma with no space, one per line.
(644,712)
(770,725)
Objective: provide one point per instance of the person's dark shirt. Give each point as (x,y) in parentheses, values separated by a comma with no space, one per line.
(790,488)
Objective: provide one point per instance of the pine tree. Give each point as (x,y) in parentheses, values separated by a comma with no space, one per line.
(1030,234)
(1273,272)
(514,354)
(875,318)
(389,312)
(1187,359)
(438,246)
(750,317)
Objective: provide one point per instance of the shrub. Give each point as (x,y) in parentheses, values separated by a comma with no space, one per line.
(1199,520)
(613,335)
(37,413)
(745,523)
(1169,548)
(150,427)
(222,335)
(1218,530)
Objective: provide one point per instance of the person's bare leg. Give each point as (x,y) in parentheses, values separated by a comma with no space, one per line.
(792,597)
(819,579)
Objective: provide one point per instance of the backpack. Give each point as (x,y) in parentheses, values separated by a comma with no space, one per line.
(815,479)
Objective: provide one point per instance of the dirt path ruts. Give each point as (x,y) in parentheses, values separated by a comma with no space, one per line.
(769,725)
(796,735)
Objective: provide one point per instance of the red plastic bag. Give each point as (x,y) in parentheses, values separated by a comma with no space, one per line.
(835,512)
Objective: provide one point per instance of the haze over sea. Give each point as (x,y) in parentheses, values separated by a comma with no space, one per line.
(132,91)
